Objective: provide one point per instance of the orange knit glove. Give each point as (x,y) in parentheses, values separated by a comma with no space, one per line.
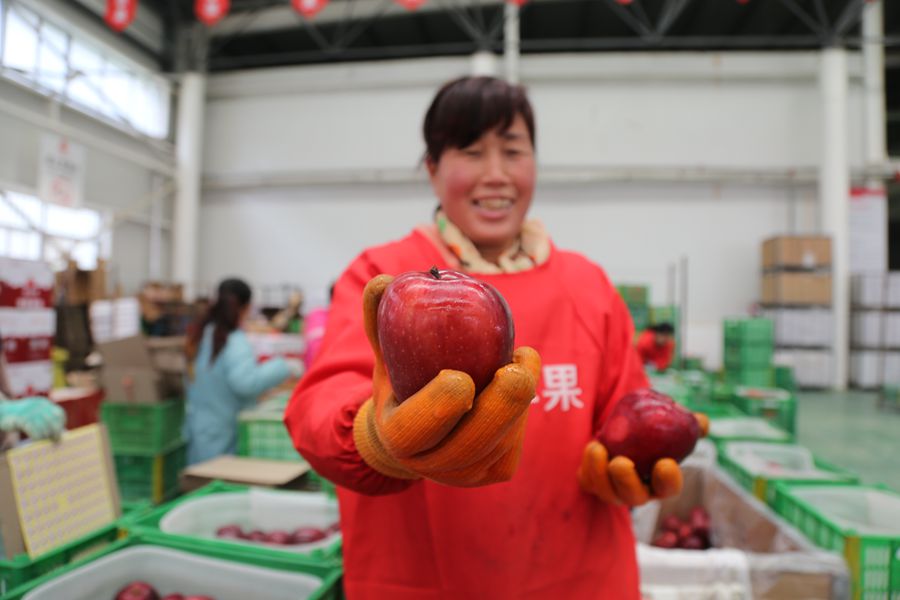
(443,432)
(616,481)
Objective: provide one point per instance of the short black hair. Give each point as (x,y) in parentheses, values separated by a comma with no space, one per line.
(663,328)
(466,108)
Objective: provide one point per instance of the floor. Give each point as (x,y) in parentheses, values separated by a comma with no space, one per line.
(849,430)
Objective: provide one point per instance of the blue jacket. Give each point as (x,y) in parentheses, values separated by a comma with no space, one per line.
(223,388)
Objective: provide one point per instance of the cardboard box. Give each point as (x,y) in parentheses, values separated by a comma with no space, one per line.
(167,354)
(25,283)
(755,548)
(33,378)
(796,252)
(809,327)
(128,373)
(75,286)
(796,288)
(246,471)
(54,492)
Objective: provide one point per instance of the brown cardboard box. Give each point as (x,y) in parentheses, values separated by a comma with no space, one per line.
(167,353)
(796,288)
(243,470)
(796,252)
(753,547)
(129,375)
(76,286)
(84,500)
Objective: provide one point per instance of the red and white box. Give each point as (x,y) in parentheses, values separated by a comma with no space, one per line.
(33,378)
(27,333)
(25,283)
(270,345)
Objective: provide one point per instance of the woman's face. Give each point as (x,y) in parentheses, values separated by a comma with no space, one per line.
(485,189)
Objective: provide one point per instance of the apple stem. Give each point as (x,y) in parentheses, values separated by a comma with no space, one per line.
(434,272)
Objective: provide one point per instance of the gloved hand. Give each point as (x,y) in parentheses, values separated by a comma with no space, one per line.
(37,417)
(616,481)
(443,432)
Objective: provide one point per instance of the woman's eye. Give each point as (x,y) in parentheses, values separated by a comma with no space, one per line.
(472,152)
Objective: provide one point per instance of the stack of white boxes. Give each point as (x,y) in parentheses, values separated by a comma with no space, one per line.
(803,341)
(796,294)
(27,325)
(875,330)
(114,319)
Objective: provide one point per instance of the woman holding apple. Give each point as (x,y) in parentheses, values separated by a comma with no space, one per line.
(457,491)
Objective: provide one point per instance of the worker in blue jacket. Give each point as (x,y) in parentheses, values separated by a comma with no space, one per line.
(224,377)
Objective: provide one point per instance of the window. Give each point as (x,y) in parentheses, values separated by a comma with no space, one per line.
(83,72)
(36,230)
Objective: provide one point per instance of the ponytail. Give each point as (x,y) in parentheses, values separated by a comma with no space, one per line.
(224,314)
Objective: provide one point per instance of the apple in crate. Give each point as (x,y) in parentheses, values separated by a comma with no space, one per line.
(282,538)
(308,535)
(137,590)
(646,426)
(231,532)
(441,319)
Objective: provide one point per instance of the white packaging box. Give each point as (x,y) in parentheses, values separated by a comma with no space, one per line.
(812,368)
(25,283)
(876,290)
(115,319)
(270,345)
(802,326)
(875,329)
(873,369)
(34,378)
(27,322)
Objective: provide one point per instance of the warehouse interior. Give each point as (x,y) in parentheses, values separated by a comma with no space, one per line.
(732,167)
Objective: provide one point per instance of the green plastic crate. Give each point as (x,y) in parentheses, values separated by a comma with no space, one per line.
(715,410)
(143,428)
(21,569)
(835,517)
(788,458)
(330,574)
(748,356)
(749,377)
(777,406)
(262,434)
(692,363)
(152,477)
(746,428)
(749,331)
(148,527)
(640,315)
(784,378)
(634,294)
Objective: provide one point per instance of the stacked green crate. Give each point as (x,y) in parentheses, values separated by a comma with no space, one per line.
(637,298)
(859,522)
(748,348)
(147,448)
(262,434)
(775,405)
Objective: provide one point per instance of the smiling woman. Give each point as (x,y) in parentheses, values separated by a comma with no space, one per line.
(456,493)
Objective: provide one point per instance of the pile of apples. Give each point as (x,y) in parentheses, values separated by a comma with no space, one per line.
(301,535)
(692,534)
(141,590)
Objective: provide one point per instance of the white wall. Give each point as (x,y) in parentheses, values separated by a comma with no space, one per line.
(644,158)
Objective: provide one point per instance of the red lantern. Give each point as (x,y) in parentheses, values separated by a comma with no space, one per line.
(308,8)
(517,2)
(624,2)
(120,13)
(210,12)
(410,4)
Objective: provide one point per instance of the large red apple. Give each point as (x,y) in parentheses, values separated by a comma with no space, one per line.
(429,321)
(646,426)
(137,590)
